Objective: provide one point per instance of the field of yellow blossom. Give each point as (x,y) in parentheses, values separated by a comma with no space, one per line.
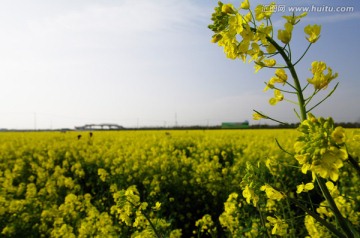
(172,183)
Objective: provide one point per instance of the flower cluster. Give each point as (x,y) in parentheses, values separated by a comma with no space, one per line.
(232,218)
(320,80)
(279,226)
(280,77)
(320,148)
(245,34)
(228,23)
(346,205)
(206,225)
(272,193)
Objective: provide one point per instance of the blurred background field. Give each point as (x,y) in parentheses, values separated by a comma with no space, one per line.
(57,184)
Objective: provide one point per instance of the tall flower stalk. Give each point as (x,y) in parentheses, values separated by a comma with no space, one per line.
(320,150)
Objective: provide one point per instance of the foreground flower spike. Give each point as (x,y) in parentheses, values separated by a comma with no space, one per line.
(320,149)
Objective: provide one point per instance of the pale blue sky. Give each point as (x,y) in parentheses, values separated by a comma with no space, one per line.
(150,63)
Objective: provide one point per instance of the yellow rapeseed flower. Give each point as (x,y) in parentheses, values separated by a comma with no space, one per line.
(255,51)
(249,195)
(330,163)
(293,20)
(216,38)
(285,35)
(103,174)
(338,135)
(320,80)
(270,49)
(278,96)
(258,116)
(315,229)
(157,206)
(269,62)
(281,75)
(236,23)
(271,193)
(228,8)
(279,226)
(264,12)
(245,5)
(313,32)
(261,62)
(304,187)
(247,17)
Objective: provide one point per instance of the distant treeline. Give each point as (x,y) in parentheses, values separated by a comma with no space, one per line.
(295,125)
(258,126)
(197,127)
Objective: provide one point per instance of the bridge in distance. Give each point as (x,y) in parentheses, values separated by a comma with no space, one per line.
(102,126)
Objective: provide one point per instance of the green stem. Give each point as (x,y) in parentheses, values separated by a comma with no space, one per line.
(297,114)
(354,163)
(291,101)
(303,54)
(307,100)
(340,219)
(295,78)
(272,119)
(291,85)
(329,226)
(305,87)
(291,218)
(324,98)
(262,219)
(148,219)
(282,90)
(281,148)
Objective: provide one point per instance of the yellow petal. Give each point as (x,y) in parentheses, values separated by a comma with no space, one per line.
(309,186)
(245,4)
(273,101)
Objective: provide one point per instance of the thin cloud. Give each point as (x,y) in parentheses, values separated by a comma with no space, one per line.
(128,16)
(339,17)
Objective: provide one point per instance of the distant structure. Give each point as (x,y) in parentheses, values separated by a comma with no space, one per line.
(103,126)
(235,125)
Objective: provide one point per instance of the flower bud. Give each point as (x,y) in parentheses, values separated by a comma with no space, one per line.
(228,8)
(216,38)
(338,135)
(245,5)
